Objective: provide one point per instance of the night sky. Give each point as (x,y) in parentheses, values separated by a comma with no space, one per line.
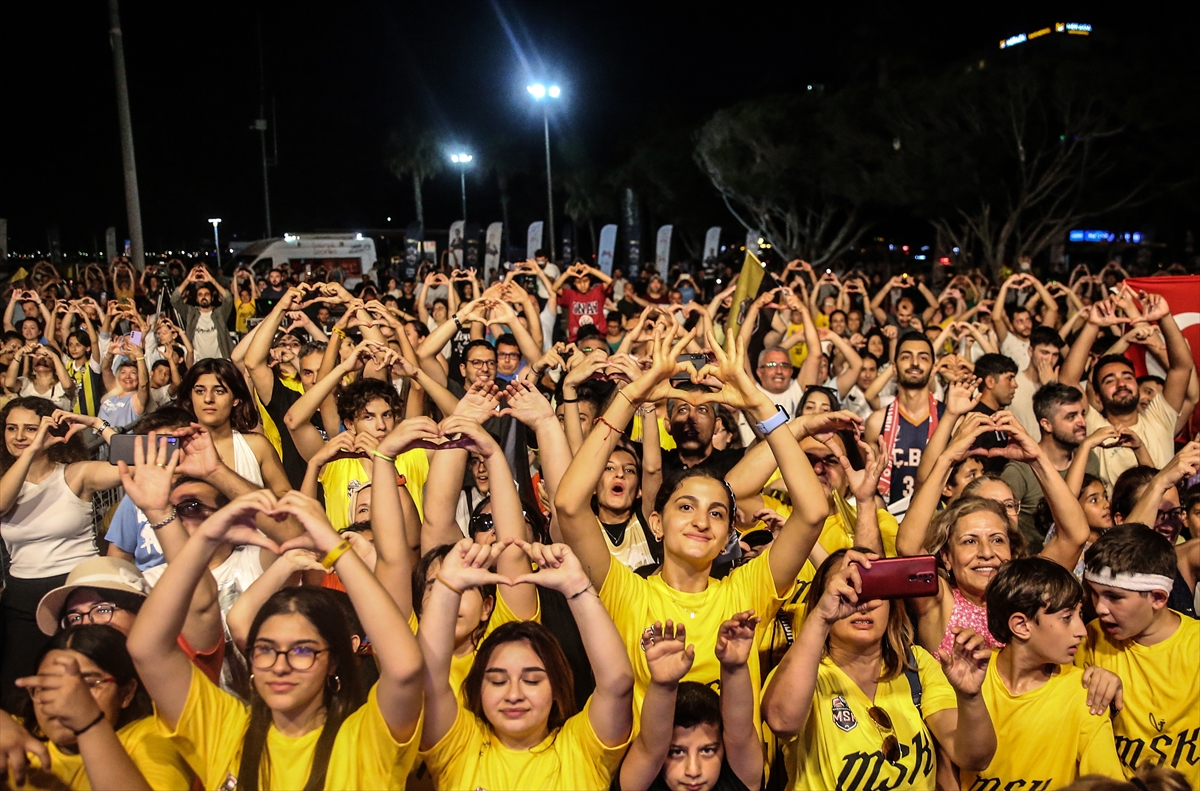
(343,74)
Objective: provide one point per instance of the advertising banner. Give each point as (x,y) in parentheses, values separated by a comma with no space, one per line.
(491,246)
(608,249)
(456,244)
(533,239)
(662,250)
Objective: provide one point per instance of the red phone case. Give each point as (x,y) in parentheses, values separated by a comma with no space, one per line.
(899,578)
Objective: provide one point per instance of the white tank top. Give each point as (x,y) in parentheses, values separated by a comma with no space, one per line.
(245,463)
(49,530)
(634,550)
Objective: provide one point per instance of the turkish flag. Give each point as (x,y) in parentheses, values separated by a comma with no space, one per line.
(1182,293)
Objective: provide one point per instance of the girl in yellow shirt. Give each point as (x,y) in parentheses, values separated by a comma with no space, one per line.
(517,727)
(692,515)
(841,703)
(88,702)
(310,724)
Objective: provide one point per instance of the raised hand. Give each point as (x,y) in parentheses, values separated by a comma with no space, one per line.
(63,694)
(655,382)
(558,569)
(962,442)
(406,433)
(468,565)
(480,402)
(200,458)
(668,655)
(148,484)
(961,396)
(864,482)
(965,664)
(823,425)
(840,599)
(1104,314)
(738,390)
(1155,306)
(1021,446)
(735,639)
(527,404)
(237,522)
(480,440)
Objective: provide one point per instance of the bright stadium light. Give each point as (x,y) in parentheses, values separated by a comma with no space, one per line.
(538,91)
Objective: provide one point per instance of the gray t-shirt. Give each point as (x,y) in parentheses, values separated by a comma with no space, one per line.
(1024,484)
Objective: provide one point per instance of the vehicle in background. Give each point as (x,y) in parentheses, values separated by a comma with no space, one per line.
(352,253)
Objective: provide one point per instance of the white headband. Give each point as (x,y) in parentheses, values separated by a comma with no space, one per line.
(1141,583)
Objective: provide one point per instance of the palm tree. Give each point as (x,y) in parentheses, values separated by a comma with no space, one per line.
(414,152)
(506,158)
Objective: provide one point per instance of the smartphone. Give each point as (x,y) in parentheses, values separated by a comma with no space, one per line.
(899,578)
(122,446)
(697,360)
(135,338)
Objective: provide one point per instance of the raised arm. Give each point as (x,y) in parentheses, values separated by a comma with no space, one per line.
(999,315)
(1184,464)
(669,658)
(163,667)
(258,354)
(743,742)
(876,305)
(1179,354)
(847,378)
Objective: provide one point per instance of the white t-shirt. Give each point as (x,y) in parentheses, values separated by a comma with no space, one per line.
(856,402)
(234,576)
(1022,405)
(56,394)
(205,341)
(1016,349)
(1156,429)
(789,399)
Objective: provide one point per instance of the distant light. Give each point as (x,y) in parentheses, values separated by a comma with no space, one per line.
(918,258)
(290,237)
(810,87)
(945,260)
(389,219)
(358,237)
(538,91)
(554,92)
(215,221)
(461,158)
(904,248)
(891,247)
(924,248)
(956,251)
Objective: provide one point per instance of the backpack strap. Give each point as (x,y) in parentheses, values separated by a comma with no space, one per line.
(914,679)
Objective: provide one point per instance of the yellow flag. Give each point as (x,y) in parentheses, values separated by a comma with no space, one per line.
(747,291)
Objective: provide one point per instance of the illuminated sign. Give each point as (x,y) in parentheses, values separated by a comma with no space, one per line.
(1070,28)
(1133,237)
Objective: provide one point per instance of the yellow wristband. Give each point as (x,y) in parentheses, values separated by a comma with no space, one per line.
(338,331)
(332,555)
(383,456)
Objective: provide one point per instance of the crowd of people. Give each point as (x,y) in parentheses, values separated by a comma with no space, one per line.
(567,530)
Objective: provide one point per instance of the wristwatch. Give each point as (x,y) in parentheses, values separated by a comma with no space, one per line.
(774,421)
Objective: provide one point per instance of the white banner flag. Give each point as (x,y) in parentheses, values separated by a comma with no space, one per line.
(491,252)
(712,244)
(662,249)
(456,244)
(752,244)
(533,239)
(608,249)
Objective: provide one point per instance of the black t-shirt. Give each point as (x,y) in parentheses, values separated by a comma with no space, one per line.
(282,398)
(720,462)
(991,439)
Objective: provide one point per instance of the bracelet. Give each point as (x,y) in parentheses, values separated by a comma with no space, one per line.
(438,577)
(89,726)
(611,427)
(104,426)
(774,421)
(457,322)
(378,455)
(577,595)
(332,555)
(338,331)
(565,400)
(165,522)
(621,392)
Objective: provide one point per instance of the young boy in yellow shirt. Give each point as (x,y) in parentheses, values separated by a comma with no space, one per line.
(1129,572)
(1045,735)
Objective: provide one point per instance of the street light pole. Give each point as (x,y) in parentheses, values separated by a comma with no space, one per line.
(216,240)
(461,160)
(539,92)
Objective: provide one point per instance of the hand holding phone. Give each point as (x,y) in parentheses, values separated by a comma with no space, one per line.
(899,578)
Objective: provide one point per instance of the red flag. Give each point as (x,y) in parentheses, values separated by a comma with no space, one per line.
(1182,293)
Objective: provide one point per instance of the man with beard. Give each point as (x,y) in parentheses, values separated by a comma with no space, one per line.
(901,430)
(206,316)
(1115,382)
(692,427)
(1060,411)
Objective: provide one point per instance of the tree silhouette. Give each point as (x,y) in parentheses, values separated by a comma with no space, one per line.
(413,152)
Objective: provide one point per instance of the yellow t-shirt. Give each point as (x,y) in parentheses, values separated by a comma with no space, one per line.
(665,440)
(799,352)
(841,747)
(835,533)
(573,757)
(270,430)
(157,759)
(1045,738)
(245,310)
(212,729)
(1160,723)
(337,475)
(1155,428)
(635,603)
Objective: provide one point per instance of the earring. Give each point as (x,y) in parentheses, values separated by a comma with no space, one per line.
(251,676)
(338,682)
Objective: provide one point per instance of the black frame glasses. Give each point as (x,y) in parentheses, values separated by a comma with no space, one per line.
(99,613)
(259,652)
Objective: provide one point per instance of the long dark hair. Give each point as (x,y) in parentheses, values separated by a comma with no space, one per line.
(422,575)
(543,643)
(105,646)
(244,416)
(341,697)
(63,453)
